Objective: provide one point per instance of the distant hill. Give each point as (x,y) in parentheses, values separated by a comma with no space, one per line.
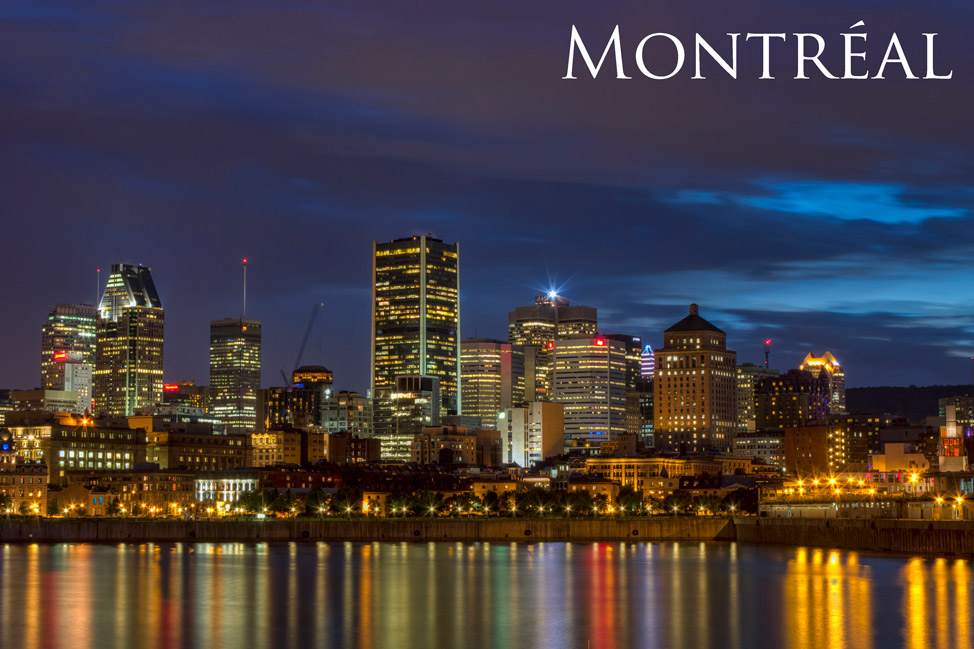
(914,403)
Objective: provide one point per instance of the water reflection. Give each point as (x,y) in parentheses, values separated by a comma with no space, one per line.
(598,596)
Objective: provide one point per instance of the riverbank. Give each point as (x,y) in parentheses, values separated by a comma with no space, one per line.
(912,537)
(496,530)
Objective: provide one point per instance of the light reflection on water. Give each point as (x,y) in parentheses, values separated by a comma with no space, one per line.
(167,596)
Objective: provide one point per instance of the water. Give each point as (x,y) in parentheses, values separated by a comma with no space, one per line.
(161,596)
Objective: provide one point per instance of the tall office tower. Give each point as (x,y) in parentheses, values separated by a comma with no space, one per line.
(748,376)
(634,358)
(826,363)
(639,412)
(532,432)
(235,373)
(402,412)
(416,314)
(299,405)
(790,400)
(492,378)
(589,379)
(129,336)
(695,388)
(647,363)
(536,328)
(69,329)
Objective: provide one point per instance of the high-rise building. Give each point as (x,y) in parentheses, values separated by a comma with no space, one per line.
(532,432)
(402,412)
(695,387)
(748,376)
(416,314)
(129,343)
(640,419)
(827,364)
(235,373)
(589,380)
(790,400)
(78,379)
(634,358)
(187,394)
(68,330)
(648,363)
(492,378)
(537,327)
(300,405)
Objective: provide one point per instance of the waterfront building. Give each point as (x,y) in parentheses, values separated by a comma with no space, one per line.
(695,387)
(825,447)
(129,343)
(536,327)
(589,380)
(492,378)
(235,359)
(532,432)
(23,482)
(69,330)
(67,442)
(748,377)
(764,445)
(416,315)
(827,366)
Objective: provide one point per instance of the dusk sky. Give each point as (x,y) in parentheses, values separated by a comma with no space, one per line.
(184,136)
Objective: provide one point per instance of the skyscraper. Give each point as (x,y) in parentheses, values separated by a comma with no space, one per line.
(129,343)
(748,376)
(536,327)
(235,372)
(828,364)
(695,388)
(491,376)
(634,360)
(589,380)
(416,314)
(69,329)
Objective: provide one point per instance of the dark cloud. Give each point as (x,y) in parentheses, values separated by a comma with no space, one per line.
(824,214)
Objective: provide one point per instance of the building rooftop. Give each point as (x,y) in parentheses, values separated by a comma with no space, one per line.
(693,322)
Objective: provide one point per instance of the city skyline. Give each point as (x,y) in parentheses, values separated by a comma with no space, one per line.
(822,219)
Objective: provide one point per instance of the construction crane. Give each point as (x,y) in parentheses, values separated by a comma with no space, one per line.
(304,343)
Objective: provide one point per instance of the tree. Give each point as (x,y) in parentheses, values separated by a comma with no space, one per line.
(491,502)
(284,503)
(629,500)
(24,509)
(600,502)
(81,510)
(52,509)
(114,508)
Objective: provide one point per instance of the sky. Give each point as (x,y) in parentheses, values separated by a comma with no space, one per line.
(184,136)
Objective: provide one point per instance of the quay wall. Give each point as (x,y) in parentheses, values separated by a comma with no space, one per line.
(941,538)
(502,530)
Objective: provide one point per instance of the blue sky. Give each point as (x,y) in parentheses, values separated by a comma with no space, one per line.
(823,214)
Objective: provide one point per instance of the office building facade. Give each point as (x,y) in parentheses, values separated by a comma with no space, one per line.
(492,378)
(129,343)
(416,314)
(235,357)
(695,388)
(68,333)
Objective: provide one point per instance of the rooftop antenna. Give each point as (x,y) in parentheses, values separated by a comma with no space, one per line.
(97,286)
(244,262)
(767,351)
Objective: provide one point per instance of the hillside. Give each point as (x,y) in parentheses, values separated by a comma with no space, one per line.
(914,403)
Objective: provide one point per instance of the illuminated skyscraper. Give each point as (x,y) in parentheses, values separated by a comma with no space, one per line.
(828,364)
(536,327)
(492,376)
(416,314)
(129,343)
(68,330)
(235,372)
(695,388)
(634,360)
(589,380)
(647,363)
(748,377)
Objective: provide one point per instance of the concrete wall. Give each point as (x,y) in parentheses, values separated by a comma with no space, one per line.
(113,531)
(882,535)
